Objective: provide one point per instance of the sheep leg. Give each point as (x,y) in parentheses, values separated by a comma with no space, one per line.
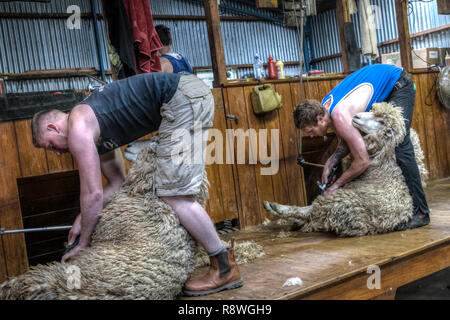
(288,212)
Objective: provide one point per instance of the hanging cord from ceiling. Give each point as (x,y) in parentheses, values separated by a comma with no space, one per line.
(299,26)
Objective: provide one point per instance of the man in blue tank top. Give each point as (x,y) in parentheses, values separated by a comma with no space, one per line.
(121,112)
(171,61)
(356,93)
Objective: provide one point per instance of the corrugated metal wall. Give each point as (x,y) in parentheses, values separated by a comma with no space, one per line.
(241,39)
(325,40)
(39,44)
(422,16)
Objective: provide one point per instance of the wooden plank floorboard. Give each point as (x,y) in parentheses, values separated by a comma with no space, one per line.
(327,264)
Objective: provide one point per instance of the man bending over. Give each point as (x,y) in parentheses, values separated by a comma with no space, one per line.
(356,93)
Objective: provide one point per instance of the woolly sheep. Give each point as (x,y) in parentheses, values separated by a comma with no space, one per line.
(138,251)
(375,202)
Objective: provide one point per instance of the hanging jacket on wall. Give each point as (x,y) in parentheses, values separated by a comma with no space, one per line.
(120,36)
(146,40)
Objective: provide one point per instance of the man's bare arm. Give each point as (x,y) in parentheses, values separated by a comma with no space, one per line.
(113,168)
(356,145)
(84,151)
(341,151)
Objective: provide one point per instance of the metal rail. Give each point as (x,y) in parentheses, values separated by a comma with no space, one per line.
(58,228)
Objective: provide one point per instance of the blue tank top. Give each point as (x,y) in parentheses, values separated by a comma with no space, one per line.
(179,65)
(129,108)
(382,78)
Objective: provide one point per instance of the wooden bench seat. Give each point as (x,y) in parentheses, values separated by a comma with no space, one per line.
(339,268)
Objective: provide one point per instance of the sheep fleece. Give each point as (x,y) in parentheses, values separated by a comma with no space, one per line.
(377,201)
(139,250)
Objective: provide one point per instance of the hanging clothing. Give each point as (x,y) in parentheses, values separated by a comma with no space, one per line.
(368,33)
(146,40)
(120,36)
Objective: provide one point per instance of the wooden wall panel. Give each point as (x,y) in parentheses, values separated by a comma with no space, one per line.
(222,203)
(430,137)
(9,164)
(286,186)
(297,94)
(280,187)
(289,136)
(280,179)
(264,183)
(440,126)
(33,161)
(59,163)
(3,271)
(14,244)
(248,198)
(14,251)
(432,125)
(418,120)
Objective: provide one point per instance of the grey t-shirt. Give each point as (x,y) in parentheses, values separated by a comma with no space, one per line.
(128,109)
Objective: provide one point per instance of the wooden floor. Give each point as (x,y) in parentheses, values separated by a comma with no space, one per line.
(339,268)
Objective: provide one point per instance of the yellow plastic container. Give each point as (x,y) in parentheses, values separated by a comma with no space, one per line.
(280,69)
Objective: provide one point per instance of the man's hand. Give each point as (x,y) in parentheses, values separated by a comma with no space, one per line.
(326,172)
(72,252)
(332,189)
(75,231)
(341,151)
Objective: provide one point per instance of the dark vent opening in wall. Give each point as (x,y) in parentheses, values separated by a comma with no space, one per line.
(47,201)
(227,226)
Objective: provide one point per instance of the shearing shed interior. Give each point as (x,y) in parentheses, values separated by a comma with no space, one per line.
(225,149)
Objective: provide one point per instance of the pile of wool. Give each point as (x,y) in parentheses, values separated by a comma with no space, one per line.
(244,252)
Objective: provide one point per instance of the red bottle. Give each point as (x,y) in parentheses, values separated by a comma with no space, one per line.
(273,74)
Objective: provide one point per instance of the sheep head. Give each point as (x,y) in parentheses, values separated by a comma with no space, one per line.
(383,128)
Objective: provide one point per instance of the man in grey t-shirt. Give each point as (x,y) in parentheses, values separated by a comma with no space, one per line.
(119,113)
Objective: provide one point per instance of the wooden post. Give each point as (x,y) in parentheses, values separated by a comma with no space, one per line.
(401,13)
(267,3)
(443,6)
(215,42)
(342,15)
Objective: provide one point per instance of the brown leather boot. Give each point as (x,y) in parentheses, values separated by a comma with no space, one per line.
(223,274)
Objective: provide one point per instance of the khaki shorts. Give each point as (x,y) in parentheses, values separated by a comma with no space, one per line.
(183,134)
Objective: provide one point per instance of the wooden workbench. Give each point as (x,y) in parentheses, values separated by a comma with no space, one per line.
(337,268)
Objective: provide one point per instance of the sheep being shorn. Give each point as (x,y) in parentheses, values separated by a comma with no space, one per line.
(139,250)
(378,200)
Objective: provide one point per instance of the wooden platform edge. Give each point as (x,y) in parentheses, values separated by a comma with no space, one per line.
(394,273)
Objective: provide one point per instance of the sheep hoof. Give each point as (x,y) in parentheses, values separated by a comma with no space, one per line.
(268,207)
(276,208)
